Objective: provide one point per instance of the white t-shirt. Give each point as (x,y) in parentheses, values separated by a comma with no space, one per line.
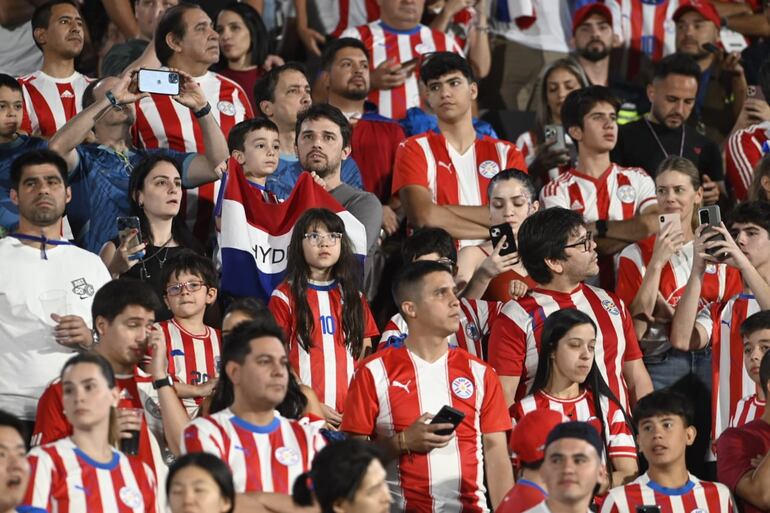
(30,289)
(550,31)
(18,53)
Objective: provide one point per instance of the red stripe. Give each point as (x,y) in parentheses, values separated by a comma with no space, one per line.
(192,439)
(411,469)
(172,125)
(447,190)
(278,470)
(317,368)
(609,340)
(59,494)
(68,104)
(628,207)
(92,493)
(574,196)
(304,449)
(602,195)
(45,120)
(659,30)
(142,131)
(343,21)
(118,482)
(251,455)
(635,50)
(467,437)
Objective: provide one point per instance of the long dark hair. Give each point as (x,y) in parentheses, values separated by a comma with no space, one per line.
(179,230)
(555,328)
(295,402)
(346,271)
(257,33)
(213,466)
(337,472)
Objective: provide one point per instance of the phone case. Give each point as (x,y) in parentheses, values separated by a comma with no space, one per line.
(158,81)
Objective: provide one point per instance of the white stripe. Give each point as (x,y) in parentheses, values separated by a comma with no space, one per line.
(478,371)
(73,477)
(431,165)
(328,348)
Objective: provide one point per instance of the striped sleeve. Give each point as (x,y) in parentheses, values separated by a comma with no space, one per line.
(41,481)
(361,405)
(202,435)
(630,268)
(742,152)
(621,440)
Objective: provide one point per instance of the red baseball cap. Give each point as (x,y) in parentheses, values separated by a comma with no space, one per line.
(529,434)
(587,10)
(704,7)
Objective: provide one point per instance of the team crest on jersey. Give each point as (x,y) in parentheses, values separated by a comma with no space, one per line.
(473,331)
(462,387)
(610,306)
(152,408)
(699,510)
(488,169)
(287,456)
(82,288)
(131,497)
(711,268)
(226,108)
(626,194)
(424,48)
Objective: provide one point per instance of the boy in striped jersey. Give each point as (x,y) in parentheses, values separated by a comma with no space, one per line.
(747,247)
(756,341)
(192,347)
(664,422)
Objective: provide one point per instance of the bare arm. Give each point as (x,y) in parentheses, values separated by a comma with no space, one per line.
(637,379)
(509,384)
(497,465)
(480,55)
(122,15)
(421,211)
(752,487)
(752,25)
(15,12)
(309,37)
(263,502)
(173,413)
(625,471)
(631,230)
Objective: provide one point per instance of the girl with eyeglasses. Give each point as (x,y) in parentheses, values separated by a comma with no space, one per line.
(568,381)
(326,319)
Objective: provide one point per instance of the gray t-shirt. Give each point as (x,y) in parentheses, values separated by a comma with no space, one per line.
(365,207)
(121,55)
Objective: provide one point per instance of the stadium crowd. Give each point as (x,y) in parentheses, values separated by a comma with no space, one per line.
(384,255)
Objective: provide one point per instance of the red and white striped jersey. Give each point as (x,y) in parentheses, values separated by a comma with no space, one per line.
(748,409)
(65,479)
(647,30)
(476,320)
(696,495)
(50,102)
(392,388)
(719,281)
(162,122)
(192,359)
(135,392)
(401,46)
(337,15)
(619,193)
(262,458)
(617,432)
(514,345)
(329,366)
(429,161)
(730,380)
(743,150)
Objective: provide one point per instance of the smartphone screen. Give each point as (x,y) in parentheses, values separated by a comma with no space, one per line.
(158,81)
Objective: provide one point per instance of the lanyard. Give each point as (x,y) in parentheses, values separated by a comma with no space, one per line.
(660,144)
(43,242)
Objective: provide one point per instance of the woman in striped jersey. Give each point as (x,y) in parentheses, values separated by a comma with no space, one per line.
(568,381)
(83,472)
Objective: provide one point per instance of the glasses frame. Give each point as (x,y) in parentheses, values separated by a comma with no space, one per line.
(184,286)
(332,237)
(586,243)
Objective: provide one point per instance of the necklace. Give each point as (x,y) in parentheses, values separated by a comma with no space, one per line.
(657,139)
(43,242)
(144,274)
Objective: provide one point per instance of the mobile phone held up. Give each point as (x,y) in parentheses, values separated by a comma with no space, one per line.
(448,415)
(712,216)
(497,232)
(158,81)
(669,219)
(126,225)
(555,134)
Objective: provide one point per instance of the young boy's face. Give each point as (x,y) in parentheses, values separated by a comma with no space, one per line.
(600,128)
(261,150)
(754,348)
(11,105)
(183,302)
(753,241)
(664,438)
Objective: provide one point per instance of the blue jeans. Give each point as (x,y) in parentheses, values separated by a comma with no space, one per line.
(670,367)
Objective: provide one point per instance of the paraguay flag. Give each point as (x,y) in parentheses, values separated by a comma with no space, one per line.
(255,235)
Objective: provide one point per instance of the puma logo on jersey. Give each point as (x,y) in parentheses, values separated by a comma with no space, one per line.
(448,166)
(398,384)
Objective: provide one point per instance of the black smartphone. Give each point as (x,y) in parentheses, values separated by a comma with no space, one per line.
(125,227)
(648,509)
(711,48)
(410,62)
(712,216)
(448,415)
(497,232)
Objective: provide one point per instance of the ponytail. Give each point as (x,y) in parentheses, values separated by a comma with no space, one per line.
(302,491)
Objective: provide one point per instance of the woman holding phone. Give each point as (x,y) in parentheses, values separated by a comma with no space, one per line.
(487,270)
(653,272)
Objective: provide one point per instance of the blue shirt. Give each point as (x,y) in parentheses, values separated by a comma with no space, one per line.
(282,181)
(417,122)
(9,213)
(100,191)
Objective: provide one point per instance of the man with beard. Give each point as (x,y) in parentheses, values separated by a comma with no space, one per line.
(281,95)
(323,142)
(664,131)
(375,138)
(47,287)
(722,81)
(99,172)
(53,94)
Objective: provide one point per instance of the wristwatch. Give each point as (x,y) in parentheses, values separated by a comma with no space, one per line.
(165,382)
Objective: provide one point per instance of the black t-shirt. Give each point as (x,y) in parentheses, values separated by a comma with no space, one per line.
(637,147)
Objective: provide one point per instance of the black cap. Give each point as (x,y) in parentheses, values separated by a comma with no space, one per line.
(576,429)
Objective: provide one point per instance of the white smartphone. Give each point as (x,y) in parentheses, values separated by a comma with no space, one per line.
(158,81)
(669,219)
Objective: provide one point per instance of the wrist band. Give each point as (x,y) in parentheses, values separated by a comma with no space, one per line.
(111,97)
(205,110)
(601,228)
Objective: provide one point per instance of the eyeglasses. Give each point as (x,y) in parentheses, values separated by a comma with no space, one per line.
(316,239)
(447,262)
(191,286)
(586,243)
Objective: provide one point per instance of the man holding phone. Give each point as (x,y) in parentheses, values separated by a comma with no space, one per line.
(746,247)
(418,379)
